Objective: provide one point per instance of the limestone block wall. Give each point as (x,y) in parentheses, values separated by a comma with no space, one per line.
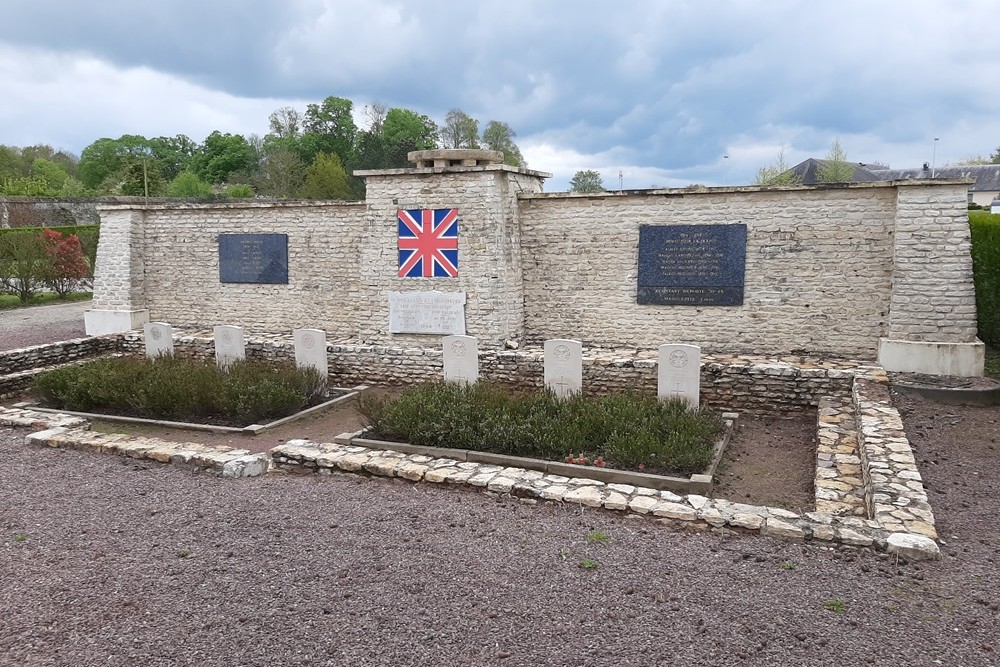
(180,273)
(489,246)
(119,273)
(818,269)
(829,270)
(933,296)
(744,383)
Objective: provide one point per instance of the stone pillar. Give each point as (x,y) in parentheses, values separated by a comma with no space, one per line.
(119,291)
(484,191)
(932,309)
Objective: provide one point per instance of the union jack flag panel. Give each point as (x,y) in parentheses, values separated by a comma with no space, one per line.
(428,243)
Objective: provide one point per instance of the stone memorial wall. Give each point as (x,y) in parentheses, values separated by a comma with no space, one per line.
(874,271)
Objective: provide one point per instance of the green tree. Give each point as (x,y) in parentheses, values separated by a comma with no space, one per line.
(31,186)
(326,179)
(329,128)
(280,172)
(172,154)
(22,264)
(285,123)
(222,155)
(52,173)
(102,163)
(835,168)
(141,177)
(187,184)
(586,181)
(777,173)
(460,130)
(10,163)
(499,136)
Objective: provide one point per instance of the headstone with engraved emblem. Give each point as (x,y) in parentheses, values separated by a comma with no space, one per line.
(679,373)
(564,367)
(230,346)
(310,350)
(159,338)
(461,359)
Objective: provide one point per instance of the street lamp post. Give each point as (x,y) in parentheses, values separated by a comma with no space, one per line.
(934,157)
(725,161)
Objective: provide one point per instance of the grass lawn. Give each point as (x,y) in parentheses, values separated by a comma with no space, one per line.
(8,301)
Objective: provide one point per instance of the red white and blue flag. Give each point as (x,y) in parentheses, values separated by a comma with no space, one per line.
(428,243)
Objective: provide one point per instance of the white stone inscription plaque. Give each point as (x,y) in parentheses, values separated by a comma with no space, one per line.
(564,367)
(461,359)
(427,312)
(159,337)
(679,373)
(230,346)
(310,350)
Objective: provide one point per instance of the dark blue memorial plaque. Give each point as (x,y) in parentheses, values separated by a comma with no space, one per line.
(253,258)
(692,265)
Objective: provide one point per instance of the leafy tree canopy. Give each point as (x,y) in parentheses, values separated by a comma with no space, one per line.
(222,155)
(329,128)
(836,169)
(460,130)
(586,181)
(499,136)
(326,179)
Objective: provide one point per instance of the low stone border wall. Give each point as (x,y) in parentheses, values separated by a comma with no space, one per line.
(220,460)
(50,354)
(19,367)
(701,483)
(756,385)
(894,490)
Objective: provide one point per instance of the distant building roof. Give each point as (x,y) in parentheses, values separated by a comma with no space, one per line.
(807,172)
(987,176)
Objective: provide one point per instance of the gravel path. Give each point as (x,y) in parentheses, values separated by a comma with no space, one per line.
(107,561)
(23,327)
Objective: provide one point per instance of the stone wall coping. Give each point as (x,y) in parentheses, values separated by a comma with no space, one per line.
(424,171)
(232,205)
(704,190)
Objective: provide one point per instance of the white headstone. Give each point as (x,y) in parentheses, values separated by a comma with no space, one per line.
(461,359)
(230,346)
(427,312)
(679,373)
(564,367)
(159,337)
(310,350)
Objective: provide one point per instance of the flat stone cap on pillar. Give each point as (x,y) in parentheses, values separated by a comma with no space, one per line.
(454,157)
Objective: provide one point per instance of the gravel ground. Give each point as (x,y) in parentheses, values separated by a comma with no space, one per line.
(23,327)
(110,562)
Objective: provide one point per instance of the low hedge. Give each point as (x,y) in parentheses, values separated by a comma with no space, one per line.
(632,431)
(985,230)
(182,389)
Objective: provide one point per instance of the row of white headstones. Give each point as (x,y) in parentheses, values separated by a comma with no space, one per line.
(678,368)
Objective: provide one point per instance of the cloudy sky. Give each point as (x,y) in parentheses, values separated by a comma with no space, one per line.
(661,90)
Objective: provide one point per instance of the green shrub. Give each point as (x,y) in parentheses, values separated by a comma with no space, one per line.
(625,430)
(240,191)
(985,229)
(181,389)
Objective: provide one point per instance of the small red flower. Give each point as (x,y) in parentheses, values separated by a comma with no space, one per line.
(642,466)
